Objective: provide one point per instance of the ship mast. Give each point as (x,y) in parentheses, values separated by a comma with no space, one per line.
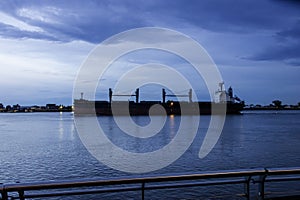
(220,95)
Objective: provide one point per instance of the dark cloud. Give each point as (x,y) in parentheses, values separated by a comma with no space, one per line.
(289,54)
(90,21)
(94,21)
(289,2)
(286,47)
(245,16)
(290,33)
(254,29)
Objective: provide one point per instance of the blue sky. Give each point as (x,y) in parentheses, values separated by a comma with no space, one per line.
(254,43)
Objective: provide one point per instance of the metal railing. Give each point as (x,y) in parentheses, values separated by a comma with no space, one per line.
(91,186)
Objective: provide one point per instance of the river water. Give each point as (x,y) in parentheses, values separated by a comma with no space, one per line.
(46,146)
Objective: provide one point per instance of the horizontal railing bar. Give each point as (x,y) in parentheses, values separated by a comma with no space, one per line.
(125,189)
(207,183)
(82,192)
(270,174)
(293,197)
(68,184)
(287,171)
(277,179)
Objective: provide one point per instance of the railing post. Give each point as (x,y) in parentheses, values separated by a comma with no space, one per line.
(247,187)
(143,190)
(4,195)
(261,186)
(17,191)
(21,194)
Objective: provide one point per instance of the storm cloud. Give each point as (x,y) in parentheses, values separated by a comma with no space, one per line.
(245,38)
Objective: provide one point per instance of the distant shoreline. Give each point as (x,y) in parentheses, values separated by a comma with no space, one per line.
(270,108)
(39,111)
(30,109)
(71,110)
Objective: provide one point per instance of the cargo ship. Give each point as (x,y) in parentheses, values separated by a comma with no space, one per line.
(108,108)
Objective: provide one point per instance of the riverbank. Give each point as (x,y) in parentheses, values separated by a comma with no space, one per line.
(29,109)
(271,108)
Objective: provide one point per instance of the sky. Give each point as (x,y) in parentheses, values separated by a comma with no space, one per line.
(255,44)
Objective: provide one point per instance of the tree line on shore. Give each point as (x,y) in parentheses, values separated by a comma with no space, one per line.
(275,105)
(35,108)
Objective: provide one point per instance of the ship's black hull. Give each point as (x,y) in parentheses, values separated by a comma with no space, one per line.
(104,108)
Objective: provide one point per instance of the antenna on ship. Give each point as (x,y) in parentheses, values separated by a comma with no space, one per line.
(81,96)
(137,95)
(164,95)
(110,93)
(221,93)
(190,96)
(221,86)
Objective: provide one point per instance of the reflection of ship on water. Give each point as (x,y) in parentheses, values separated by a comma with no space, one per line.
(224,98)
